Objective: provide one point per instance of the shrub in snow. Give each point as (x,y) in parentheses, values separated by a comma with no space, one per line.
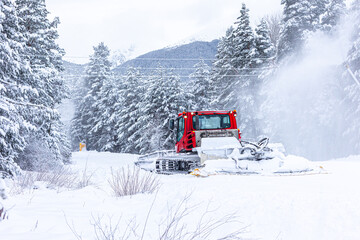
(3,213)
(38,156)
(174,226)
(61,177)
(126,181)
(2,189)
(106,229)
(85,178)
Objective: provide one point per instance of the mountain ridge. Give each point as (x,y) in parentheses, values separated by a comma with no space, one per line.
(181,59)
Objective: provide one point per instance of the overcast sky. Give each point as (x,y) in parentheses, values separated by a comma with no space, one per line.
(146,25)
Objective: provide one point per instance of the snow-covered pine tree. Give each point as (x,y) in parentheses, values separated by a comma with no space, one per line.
(105,123)
(163,100)
(233,77)
(43,53)
(45,61)
(245,88)
(223,72)
(87,113)
(334,11)
(174,102)
(352,99)
(131,94)
(243,40)
(201,90)
(11,122)
(297,21)
(147,126)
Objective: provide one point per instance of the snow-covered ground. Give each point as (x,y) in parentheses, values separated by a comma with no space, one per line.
(319,206)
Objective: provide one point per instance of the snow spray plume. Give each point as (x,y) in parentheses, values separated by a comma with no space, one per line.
(302,101)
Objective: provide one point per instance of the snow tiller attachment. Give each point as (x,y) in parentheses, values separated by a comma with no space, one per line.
(209,142)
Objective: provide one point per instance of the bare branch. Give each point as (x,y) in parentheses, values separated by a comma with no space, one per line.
(72,228)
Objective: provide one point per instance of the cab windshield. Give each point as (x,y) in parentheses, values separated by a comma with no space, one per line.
(218,121)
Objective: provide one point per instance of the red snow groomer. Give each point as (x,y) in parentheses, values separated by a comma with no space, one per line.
(203,136)
(192,127)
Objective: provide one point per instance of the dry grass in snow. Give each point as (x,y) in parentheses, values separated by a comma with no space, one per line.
(130,181)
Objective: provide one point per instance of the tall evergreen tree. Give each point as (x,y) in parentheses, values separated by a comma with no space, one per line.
(175,101)
(11,122)
(245,88)
(45,61)
(233,76)
(87,111)
(43,53)
(236,57)
(131,94)
(243,40)
(105,123)
(223,72)
(201,91)
(163,100)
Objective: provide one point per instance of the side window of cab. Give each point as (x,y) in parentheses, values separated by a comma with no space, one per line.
(225,121)
(180,129)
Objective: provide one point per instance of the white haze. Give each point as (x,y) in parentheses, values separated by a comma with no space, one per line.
(302,107)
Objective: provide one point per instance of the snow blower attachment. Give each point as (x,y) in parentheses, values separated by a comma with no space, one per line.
(209,142)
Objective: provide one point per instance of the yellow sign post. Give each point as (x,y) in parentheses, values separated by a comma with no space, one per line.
(81,146)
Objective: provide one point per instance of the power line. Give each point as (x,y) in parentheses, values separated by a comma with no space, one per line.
(145,58)
(181,76)
(182,68)
(170,59)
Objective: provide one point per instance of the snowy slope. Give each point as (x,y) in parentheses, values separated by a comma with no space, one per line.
(324,206)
